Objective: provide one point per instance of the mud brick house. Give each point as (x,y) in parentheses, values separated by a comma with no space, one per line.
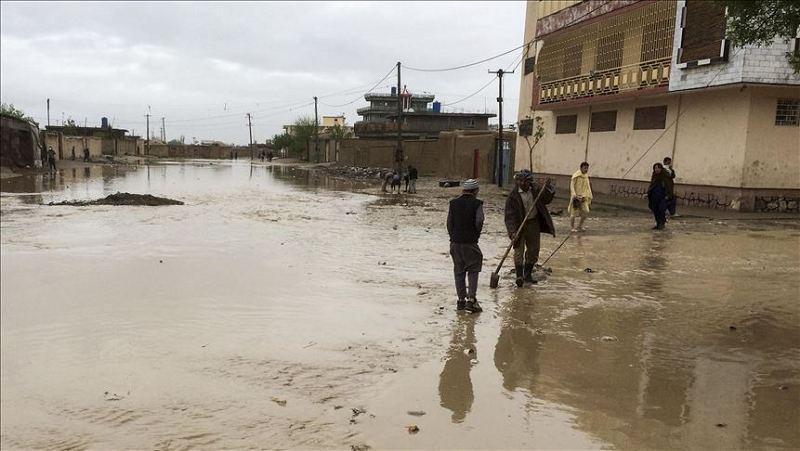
(19,143)
(624,83)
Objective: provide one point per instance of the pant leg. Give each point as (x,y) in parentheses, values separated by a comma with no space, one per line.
(532,241)
(660,210)
(459,270)
(412,186)
(672,205)
(473,263)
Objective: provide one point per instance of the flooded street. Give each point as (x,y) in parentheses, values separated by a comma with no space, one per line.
(282,309)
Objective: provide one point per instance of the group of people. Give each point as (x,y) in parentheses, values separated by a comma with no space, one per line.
(392,179)
(267,156)
(661,193)
(526,217)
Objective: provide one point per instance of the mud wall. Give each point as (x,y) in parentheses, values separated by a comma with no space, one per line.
(192,151)
(95,146)
(453,155)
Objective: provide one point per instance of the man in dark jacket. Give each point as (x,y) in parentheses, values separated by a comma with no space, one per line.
(672,202)
(519,202)
(413,175)
(464,224)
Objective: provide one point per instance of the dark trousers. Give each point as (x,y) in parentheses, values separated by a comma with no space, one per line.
(467,262)
(671,205)
(658,205)
(52,163)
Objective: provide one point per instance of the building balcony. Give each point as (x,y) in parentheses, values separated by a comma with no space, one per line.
(626,50)
(633,77)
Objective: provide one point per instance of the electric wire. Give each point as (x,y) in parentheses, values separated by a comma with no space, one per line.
(680,113)
(361,95)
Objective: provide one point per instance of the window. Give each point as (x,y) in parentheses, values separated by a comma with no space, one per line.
(650,118)
(604,121)
(530,63)
(702,33)
(470,122)
(788,112)
(566,124)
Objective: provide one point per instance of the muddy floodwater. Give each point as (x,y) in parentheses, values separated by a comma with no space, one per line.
(281,309)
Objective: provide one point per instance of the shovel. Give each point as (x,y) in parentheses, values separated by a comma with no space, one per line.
(495,279)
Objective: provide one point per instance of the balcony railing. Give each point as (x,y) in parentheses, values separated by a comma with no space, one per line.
(633,77)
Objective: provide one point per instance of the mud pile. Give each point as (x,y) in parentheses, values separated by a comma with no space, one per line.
(350,171)
(124,199)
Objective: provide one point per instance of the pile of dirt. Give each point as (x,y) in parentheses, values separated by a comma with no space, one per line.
(124,199)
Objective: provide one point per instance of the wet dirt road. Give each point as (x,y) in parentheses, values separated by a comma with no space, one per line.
(281,309)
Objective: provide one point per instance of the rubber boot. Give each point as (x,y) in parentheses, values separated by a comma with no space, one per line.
(529,274)
(520,275)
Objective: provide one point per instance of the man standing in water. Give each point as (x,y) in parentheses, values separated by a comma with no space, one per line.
(464,225)
(581,197)
(672,203)
(521,201)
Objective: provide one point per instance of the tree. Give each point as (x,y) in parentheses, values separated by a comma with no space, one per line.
(9,110)
(283,141)
(759,22)
(537,136)
(303,129)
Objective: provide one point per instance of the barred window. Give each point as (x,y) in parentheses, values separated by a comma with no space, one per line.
(604,121)
(530,64)
(788,112)
(566,124)
(650,118)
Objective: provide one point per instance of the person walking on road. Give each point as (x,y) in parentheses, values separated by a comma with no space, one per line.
(51,158)
(73,153)
(658,195)
(86,154)
(519,203)
(464,225)
(672,203)
(413,175)
(386,179)
(580,197)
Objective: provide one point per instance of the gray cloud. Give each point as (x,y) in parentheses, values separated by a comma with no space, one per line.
(203,65)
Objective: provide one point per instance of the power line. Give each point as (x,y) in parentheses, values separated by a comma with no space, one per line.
(463,66)
(483,87)
(680,113)
(365,93)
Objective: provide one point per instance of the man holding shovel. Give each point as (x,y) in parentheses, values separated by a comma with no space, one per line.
(521,201)
(464,224)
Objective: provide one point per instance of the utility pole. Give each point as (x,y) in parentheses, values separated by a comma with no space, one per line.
(147,138)
(250,126)
(48,112)
(316,129)
(163,131)
(398,158)
(500,73)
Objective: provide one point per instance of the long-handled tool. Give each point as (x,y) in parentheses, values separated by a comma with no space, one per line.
(495,279)
(559,247)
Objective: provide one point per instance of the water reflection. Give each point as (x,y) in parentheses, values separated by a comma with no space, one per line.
(455,384)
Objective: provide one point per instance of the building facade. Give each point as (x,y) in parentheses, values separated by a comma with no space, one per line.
(422,118)
(622,84)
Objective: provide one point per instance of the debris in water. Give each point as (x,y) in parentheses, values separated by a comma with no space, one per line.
(360,448)
(732,328)
(783,387)
(470,351)
(279,402)
(416,413)
(123,199)
(413,429)
(608,338)
(113,397)
(473,362)
(589,270)
(722,425)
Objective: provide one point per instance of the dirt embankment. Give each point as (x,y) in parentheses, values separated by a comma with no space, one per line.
(124,199)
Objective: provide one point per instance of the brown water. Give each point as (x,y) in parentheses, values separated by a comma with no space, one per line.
(261,314)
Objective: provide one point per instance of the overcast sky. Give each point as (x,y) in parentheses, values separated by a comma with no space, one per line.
(202,66)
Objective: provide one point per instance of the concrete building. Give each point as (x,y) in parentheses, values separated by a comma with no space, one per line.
(419,120)
(624,83)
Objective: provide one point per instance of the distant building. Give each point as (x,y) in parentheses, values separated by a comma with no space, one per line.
(422,118)
(622,84)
